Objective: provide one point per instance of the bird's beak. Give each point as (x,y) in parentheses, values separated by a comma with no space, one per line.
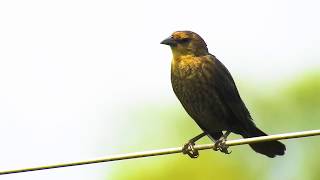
(169,41)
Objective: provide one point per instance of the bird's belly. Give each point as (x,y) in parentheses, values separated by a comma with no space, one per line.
(201,103)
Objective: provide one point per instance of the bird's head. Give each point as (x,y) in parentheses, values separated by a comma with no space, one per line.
(186,43)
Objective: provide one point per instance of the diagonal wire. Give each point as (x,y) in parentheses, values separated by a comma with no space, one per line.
(159,152)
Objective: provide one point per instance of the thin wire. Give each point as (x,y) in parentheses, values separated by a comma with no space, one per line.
(159,152)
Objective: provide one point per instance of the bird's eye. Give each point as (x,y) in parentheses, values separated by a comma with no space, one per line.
(185,40)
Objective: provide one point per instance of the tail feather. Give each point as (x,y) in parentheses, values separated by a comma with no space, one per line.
(268,148)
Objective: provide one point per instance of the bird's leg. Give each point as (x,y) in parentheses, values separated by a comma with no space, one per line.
(220,144)
(188,148)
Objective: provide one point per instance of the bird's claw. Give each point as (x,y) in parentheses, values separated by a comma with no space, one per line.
(189,149)
(220,145)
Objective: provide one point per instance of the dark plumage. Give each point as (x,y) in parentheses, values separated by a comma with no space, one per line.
(208,93)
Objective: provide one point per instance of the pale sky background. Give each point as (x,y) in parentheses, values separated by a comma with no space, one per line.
(67,67)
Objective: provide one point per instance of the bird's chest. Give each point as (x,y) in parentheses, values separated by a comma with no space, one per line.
(194,87)
(189,85)
(185,77)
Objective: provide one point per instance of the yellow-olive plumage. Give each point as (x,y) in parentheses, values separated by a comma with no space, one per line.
(208,93)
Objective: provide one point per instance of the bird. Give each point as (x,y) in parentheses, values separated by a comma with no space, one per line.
(208,93)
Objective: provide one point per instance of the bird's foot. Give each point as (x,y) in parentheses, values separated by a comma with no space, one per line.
(220,145)
(190,150)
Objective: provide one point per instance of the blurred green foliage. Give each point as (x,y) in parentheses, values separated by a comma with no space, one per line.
(294,106)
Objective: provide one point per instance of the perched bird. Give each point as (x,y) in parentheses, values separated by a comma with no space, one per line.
(208,93)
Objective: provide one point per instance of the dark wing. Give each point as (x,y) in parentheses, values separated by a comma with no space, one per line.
(239,118)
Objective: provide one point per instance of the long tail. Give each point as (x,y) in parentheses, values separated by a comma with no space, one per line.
(269,148)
